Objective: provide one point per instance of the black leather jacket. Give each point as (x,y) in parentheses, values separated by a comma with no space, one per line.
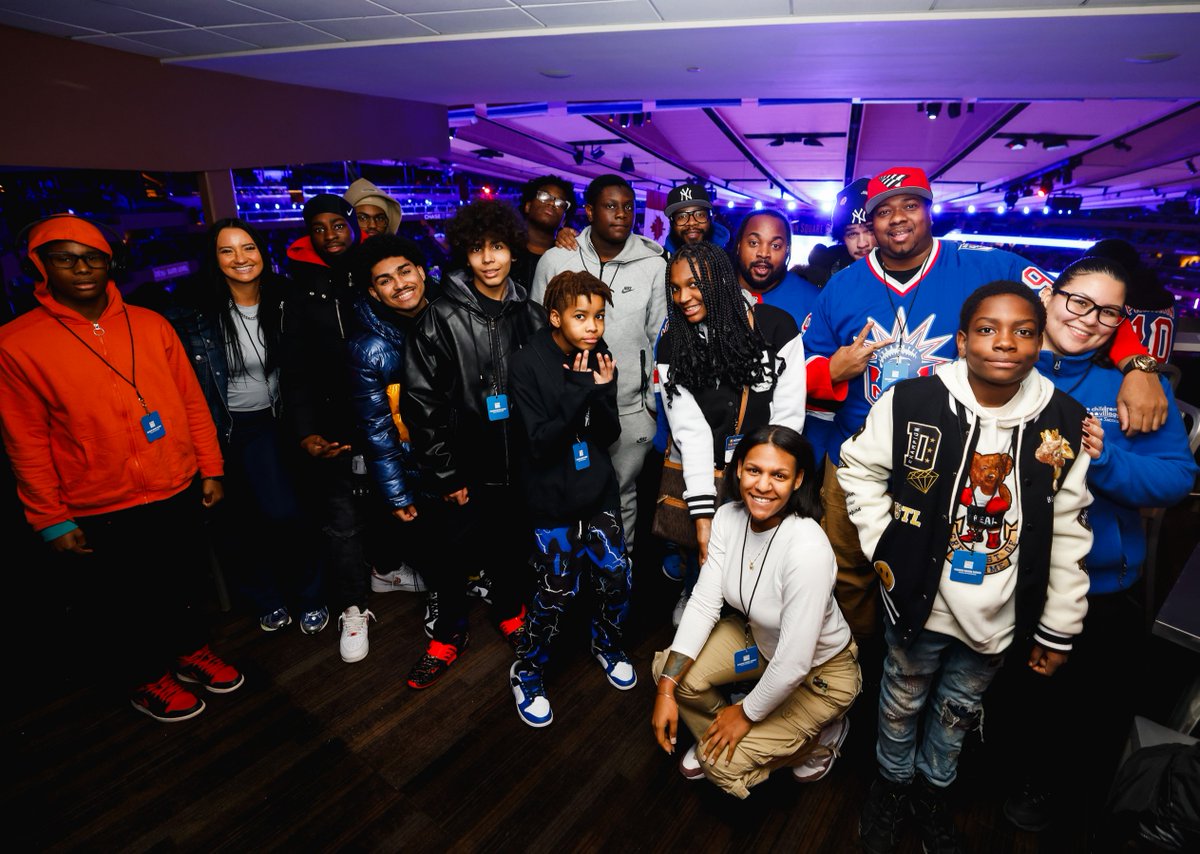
(456,357)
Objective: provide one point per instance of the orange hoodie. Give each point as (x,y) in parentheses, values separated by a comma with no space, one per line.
(73,428)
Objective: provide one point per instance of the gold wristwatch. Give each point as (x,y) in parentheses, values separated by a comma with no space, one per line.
(1141,362)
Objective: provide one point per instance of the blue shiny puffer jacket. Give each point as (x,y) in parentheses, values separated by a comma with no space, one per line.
(375,357)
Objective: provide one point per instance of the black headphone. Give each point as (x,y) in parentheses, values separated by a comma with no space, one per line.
(117,262)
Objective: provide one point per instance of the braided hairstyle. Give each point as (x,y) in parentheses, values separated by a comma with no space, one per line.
(731,351)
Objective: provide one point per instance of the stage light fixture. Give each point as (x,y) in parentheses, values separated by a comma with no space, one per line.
(813,141)
(932,111)
(1012,197)
(627,164)
(1191,165)
(970,209)
(954,109)
(578,157)
(597,152)
(777,142)
(1054,143)
(1016,144)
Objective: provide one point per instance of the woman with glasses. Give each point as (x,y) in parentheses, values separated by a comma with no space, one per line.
(1083,310)
(229,320)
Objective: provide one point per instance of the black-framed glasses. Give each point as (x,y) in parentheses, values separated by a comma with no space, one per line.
(1081,306)
(369,219)
(549,199)
(68,260)
(699,215)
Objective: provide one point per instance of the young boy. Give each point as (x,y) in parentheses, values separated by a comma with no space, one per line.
(564,384)
(456,401)
(979,545)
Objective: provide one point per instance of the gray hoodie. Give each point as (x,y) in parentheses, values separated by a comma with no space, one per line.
(637,277)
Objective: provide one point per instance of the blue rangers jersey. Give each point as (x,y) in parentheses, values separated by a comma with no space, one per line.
(918,317)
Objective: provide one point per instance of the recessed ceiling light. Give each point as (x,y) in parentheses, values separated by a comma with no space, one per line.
(1151,58)
(693,69)
(556,73)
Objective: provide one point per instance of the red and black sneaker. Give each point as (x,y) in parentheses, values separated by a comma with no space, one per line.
(515,631)
(204,668)
(436,661)
(166,700)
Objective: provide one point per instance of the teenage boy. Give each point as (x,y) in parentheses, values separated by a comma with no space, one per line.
(545,203)
(393,269)
(315,391)
(633,267)
(457,402)
(968,489)
(894,317)
(115,452)
(566,394)
(760,252)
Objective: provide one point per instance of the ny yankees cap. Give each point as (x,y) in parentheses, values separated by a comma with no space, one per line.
(897,181)
(849,208)
(685,195)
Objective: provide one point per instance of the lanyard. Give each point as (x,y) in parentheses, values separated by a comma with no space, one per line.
(741,568)
(130,380)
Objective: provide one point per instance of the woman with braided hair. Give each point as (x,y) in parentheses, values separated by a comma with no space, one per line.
(726,366)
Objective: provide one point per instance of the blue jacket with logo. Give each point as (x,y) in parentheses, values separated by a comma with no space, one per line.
(1146,470)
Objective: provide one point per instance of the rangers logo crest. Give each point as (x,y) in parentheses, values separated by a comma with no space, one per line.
(892,180)
(910,354)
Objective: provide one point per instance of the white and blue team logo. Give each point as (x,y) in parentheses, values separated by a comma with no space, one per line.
(911,354)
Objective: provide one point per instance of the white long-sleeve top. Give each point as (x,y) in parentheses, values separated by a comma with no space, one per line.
(794,618)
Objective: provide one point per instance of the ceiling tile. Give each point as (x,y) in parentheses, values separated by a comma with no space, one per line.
(477,22)
(860,7)
(1011,5)
(89,14)
(407,6)
(128,45)
(194,42)
(41,25)
(699,10)
(200,13)
(593,14)
(364,29)
(303,10)
(284,34)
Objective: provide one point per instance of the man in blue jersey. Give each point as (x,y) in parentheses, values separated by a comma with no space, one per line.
(894,317)
(760,255)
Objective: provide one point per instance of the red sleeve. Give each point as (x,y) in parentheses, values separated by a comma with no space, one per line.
(820,386)
(1126,343)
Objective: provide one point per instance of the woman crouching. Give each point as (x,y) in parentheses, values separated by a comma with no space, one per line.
(770,561)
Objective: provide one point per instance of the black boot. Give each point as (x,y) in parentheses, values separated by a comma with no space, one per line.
(883,815)
(939,835)
(1032,808)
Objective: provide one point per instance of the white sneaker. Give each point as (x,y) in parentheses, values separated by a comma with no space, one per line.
(404,579)
(680,607)
(354,645)
(689,765)
(827,749)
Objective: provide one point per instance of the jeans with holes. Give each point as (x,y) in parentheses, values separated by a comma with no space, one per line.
(937,679)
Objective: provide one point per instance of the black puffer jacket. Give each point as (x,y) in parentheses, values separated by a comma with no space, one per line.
(456,357)
(318,318)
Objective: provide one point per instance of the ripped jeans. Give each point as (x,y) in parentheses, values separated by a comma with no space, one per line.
(944,674)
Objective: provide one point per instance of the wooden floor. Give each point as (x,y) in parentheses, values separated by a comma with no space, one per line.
(316,754)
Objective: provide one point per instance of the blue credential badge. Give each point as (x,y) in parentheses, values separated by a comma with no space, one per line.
(745,660)
(497,407)
(579,451)
(731,443)
(967,567)
(152,426)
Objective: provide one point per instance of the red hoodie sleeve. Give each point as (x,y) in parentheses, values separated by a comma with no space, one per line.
(25,420)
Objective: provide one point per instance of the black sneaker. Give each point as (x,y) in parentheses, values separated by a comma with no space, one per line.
(436,661)
(1031,809)
(883,816)
(939,835)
